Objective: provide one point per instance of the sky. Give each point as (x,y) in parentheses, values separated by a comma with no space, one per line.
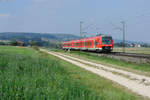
(64,16)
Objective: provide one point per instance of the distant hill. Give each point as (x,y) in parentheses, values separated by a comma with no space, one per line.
(42,39)
(36,36)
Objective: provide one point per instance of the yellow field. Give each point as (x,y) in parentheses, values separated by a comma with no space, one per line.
(133,50)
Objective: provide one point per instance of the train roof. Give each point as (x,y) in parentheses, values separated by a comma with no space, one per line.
(102,35)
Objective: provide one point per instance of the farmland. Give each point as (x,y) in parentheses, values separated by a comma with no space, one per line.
(28,74)
(133,50)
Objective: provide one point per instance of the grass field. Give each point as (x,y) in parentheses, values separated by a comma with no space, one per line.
(28,74)
(133,50)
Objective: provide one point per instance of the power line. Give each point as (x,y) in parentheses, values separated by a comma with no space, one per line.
(81,28)
(123,32)
(123,29)
(85,28)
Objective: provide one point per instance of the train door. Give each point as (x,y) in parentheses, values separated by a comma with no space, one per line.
(97,42)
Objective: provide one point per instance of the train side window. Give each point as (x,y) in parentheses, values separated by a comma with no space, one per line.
(89,43)
(86,43)
(77,44)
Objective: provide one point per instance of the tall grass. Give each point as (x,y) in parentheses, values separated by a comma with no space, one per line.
(28,74)
(24,77)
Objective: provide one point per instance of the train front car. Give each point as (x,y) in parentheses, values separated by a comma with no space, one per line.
(107,43)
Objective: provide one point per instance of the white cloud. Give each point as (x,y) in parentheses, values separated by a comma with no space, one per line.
(4,15)
(39,1)
(5,0)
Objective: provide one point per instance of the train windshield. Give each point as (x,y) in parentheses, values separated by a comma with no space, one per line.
(106,40)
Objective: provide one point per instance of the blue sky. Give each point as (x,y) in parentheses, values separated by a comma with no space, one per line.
(63,16)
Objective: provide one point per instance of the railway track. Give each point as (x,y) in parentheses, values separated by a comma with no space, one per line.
(127,57)
(131,54)
(137,55)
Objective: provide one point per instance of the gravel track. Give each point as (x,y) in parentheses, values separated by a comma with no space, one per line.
(136,83)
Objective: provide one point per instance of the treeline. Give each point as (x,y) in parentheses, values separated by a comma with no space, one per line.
(39,39)
(28,37)
(33,43)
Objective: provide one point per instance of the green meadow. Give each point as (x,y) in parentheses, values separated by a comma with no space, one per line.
(29,74)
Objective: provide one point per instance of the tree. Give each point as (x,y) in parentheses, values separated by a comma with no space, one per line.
(33,43)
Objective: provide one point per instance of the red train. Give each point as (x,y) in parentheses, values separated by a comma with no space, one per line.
(100,43)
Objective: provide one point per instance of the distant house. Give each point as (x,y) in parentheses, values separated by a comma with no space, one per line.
(5,42)
(137,45)
(131,45)
(19,43)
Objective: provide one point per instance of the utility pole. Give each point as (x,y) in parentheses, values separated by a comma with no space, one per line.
(123,30)
(81,28)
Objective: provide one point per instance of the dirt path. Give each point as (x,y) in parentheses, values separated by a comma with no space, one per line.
(136,83)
